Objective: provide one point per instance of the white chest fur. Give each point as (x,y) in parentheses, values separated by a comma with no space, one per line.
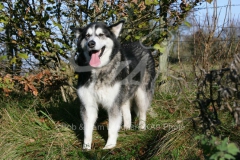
(94,95)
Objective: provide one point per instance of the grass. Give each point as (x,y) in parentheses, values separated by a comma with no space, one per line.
(36,129)
(48,128)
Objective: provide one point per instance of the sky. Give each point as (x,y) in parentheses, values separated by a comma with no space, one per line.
(221,9)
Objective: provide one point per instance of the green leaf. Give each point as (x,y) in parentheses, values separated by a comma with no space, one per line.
(39,45)
(3,57)
(128,37)
(23,55)
(149,2)
(157,46)
(199,137)
(34,23)
(1,29)
(137,37)
(188,24)
(223,145)
(57,24)
(38,33)
(232,149)
(216,155)
(228,156)
(3,21)
(46,34)
(13,60)
(143,24)
(1,6)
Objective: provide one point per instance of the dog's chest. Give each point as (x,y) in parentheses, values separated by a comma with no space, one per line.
(96,94)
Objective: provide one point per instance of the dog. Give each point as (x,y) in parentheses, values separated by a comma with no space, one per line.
(119,74)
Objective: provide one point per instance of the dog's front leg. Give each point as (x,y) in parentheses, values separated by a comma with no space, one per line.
(89,116)
(115,121)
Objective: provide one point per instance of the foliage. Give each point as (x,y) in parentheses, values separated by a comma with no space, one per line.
(218,92)
(43,80)
(36,34)
(217,149)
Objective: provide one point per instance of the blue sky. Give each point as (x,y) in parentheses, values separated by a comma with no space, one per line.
(222,6)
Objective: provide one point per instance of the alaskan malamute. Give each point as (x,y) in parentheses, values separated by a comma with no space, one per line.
(119,75)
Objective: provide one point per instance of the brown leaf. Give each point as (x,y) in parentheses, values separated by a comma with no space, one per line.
(7,78)
(20,32)
(35,93)
(142,151)
(30,78)
(96,8)
(171,110)
(211,108)
(26,87)
(142,6)
(18,78)
(31,140)
(7,91)
(31,87)
(42,120)
(46,72)
(209,1)
(39,76)
(109,2)
(34,90)
(13,41)
(134,1)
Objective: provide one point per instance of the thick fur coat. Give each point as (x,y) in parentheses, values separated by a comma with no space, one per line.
(119,74)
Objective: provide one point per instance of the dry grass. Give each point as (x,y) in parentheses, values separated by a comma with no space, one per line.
(42,128)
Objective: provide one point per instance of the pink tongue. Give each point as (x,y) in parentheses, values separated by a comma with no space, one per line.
(95,61)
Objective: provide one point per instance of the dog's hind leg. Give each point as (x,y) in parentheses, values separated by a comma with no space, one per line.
(143,102)
(126,115)
(115,120)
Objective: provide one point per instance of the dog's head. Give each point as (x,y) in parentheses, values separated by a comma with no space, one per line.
(97,42)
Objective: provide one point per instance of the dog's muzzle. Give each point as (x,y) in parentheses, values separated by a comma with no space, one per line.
(95,57)
(91,44)
(97,51)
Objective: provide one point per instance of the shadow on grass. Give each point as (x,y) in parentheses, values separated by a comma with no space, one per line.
(68,114)
(50,107)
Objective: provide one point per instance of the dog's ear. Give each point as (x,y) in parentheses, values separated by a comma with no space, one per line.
(116,28)
(76,31)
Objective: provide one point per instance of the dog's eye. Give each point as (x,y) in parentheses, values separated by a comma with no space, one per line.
(101,35)
(88,35)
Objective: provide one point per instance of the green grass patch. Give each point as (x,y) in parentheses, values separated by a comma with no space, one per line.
(35,128)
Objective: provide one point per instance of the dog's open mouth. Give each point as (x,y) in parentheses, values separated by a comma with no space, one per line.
(95,57)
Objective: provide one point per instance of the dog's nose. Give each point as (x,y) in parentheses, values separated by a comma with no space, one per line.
(91,44)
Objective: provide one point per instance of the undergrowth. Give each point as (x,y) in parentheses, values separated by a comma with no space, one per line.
(48,128)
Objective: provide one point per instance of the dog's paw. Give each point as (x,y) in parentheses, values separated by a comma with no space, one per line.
(86,146)
(142,129)
(126,127)
(110,146)
(142,126)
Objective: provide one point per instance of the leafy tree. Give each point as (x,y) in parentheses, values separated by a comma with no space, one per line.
(37,32)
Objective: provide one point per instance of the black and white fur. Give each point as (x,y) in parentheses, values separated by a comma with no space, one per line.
(124,73)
